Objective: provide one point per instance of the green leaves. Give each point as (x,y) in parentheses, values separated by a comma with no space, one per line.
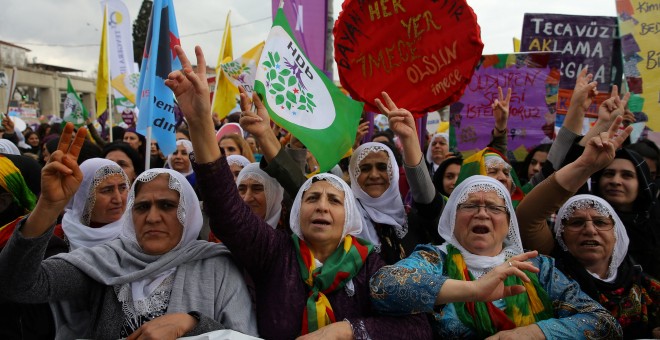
(284,86)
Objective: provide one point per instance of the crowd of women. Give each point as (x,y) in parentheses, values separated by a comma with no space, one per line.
(391,243)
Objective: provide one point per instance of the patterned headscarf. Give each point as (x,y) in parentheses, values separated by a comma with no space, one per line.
(388,208)
(580,202)
(78,213)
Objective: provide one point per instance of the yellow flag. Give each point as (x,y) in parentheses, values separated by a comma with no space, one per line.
(224,94)
(103,76)
(516,45)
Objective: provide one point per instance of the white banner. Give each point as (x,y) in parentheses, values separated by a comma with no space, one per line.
(120,42)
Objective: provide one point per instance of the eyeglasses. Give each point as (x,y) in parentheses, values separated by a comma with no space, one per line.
(576,224)
(491,209)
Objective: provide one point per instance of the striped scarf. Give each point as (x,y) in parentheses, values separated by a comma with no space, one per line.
(476,165)
(521,310)
(336,272)
(13,182)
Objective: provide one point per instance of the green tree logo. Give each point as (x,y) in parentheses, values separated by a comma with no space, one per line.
(286,85)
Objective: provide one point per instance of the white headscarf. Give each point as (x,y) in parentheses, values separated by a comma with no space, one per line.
(238,160)
(579,202)
(77,214)
(6,146)
(272,188)
(388,208)
(122,262)
(429,150)
(189,148)
(479,265)
(353,219)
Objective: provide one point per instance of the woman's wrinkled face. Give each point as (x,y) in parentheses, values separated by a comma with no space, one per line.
(157,226)
(536,164)
(619,185)
(585,238)
(132,139)
(252,192)
(180,161)
(482,230)
(439,149)
(322,214)
(450,177)
(124,162)
(110,200)
(235,170)
(373,178)
(501,172)
(229,147)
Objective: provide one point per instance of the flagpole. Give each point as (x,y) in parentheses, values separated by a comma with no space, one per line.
(147,153)
(107,55)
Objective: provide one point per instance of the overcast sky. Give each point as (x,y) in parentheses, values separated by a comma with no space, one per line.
(67,32)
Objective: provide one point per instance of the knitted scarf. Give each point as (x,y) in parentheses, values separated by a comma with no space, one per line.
(521,310)
(336,272)
(11,179)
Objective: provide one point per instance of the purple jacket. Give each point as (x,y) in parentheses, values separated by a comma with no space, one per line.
(270,258)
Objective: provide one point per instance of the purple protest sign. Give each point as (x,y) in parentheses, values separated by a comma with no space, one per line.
(582,41)
(308,20)
(533,79)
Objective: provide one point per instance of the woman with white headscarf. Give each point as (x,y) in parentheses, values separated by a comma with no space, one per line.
(156,279)
(236,164)
(8,147)
(594,252)
(481,230)
(262,193)
(93,216)
(321,271)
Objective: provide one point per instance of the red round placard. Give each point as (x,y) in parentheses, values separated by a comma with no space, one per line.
(421,52)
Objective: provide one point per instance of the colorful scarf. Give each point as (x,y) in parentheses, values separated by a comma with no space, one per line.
(476,165)
(11,179)
(336,272)
(521,310)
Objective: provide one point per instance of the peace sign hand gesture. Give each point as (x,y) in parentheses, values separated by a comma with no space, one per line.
(60,179)
(401,120)
(501,109)
(61,176)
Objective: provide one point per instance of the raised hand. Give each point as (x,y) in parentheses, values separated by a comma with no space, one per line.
(490,287)
(401,120)
(613,107)
(256,123)
(584,92)
(601,149)
(191,88)
(362,131)
(61,176)
(60,179)
(501,109)
(8,124)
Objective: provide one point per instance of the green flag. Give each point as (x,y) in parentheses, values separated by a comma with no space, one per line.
(74,111)
(302,100)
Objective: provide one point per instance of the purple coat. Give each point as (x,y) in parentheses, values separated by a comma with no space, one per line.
(270,258)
